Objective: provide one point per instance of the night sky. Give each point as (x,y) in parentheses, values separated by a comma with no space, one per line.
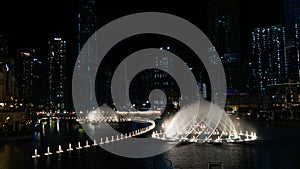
(30,23)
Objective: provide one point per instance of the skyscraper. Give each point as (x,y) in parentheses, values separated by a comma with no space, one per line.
(24,72)
(87,26)
(40,82)
(3,47)
(268,58)
(291,17)
(293,57)
(57,74)
(7,80)
(86,20)
(228,49)
(292,22)
(223,30)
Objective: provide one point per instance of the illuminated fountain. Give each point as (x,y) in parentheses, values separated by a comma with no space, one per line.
(98,115)
(48,152)
(112,139)
(101,141)
(59,150)
(70,147)
(94,144)
(106,140)
(202,127)
(36,155)
(79,146)
(87,144)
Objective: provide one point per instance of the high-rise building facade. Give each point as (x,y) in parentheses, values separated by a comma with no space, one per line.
(3,47)
(291,17)
(293,56)
(86,21)
(28,88)
(40,82)
(268,58)
(24,73)
(297,45)
(223,31)
(228,49)
(86,26)
(291,10)
(57,74)
(7,79)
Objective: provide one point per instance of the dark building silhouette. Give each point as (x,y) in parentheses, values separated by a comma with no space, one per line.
(24,73)
(57,74)
(291,18)
(292,23)
(223,31)
(7,78)
(4,52)
(86,21)
(86,27)
(228,49)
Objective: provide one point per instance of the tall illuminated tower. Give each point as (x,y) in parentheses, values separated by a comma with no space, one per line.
(268,57)
(57,74)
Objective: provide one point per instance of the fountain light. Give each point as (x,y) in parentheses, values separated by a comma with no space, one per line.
(35,155)
(70,147)
(94,144)
(48,151)
(59,150)
(79,146)
(106,140)
(87,144)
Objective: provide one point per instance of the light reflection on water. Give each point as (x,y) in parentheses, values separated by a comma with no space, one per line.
(277,148)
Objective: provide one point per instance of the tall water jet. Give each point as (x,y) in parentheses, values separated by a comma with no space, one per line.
(209,123)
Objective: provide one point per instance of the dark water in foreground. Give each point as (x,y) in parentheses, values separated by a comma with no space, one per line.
(278,147)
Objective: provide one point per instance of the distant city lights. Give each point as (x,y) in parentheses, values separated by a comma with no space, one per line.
(26,53)
(166,48)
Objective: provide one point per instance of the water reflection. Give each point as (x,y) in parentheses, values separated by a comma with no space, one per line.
(278,148)
(4,156)
(15,154)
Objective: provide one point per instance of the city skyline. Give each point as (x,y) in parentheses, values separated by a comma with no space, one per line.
(204,84)
(60,18)
(230,34)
